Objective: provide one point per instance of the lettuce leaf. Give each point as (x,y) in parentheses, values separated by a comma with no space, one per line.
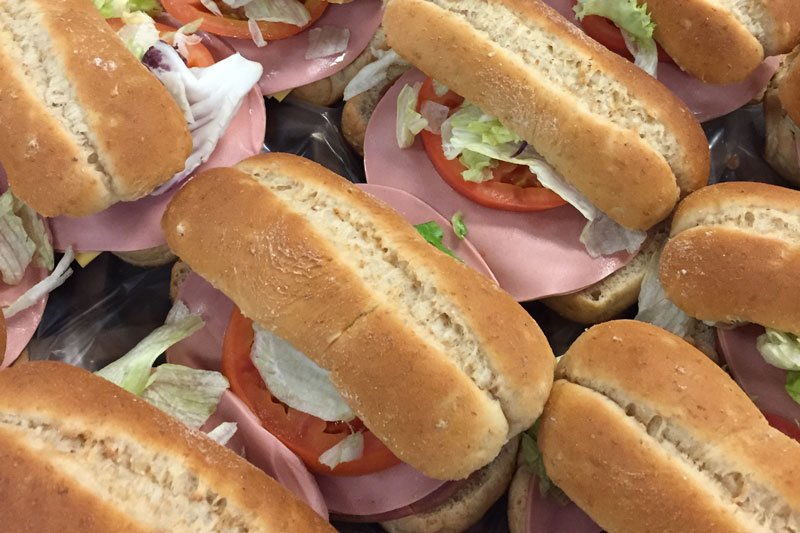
(348,449)
(132,371)
(223,433)
(295,379)
(793,385)
(58,276)
(372,74)
(286,11)
(409,121)
(433,233)
(655,308)
(18,248)
(191,395)
(34,228)
(139,33)
(780,349)
(117,8)
(459,227)
(533,456)
(478,140)
(636,25)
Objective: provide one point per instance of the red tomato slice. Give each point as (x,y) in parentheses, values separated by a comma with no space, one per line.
(784,426)
(199,56)
(608,34)
(513,187)
(188,11)
(306,435)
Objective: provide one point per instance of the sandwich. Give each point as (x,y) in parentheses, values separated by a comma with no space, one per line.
(714,55)
(730,262)
(483,144)
(135,124)
(296,42)
(280,264)
(782,116)
(645,433)
(80,453)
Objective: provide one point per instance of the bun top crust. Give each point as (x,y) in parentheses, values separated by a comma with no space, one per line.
(788,80)
(94,439)
(619,136)
(84,123)
(442,365)
(675,443)
(734,255)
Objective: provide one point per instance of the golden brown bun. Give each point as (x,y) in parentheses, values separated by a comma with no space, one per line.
(469,504)
(734,255)
(519,496)
(782,116)
(180,271)
(624,140)
(84,79)
(2,334)
(613,294)
(149,257)
(78,453)
(645,433)
(715,44)
(404,330)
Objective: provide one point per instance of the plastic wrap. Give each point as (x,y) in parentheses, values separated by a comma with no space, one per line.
(105,308)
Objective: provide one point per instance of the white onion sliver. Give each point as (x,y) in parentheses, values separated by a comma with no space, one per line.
(223,433)
(435,114)
(348,449)
(255,33)
(373,73)
(324,41)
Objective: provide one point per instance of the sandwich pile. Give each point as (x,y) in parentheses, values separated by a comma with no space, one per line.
(380,355)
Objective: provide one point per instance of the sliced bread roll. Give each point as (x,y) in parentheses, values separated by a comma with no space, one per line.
(620,137)
(645,433)
(78,453)
(440,364)
(782,119)
(724,41)
(84,124)
(734,255)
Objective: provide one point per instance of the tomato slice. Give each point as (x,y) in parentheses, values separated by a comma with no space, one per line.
(512,188)
(306,435)
(199,55)
(784,426)
(609,35)
(188,11)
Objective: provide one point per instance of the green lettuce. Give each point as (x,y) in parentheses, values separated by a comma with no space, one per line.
(189,394)
(793,385)
(533,456)
(459,227)
(780,349)
(409,121)
(117,8)
(433,233)
(635,23)
(19,248)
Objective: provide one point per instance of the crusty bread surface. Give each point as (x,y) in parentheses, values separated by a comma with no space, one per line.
(149,257)
(724,41)
(788,82)
(469,504)
(645,433)
(625,141)
(519,496)
(81,454)
(781,119)
(84,124)
(734,255)
(439,363)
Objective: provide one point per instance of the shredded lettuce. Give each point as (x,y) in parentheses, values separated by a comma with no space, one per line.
(212,7)
(635,23)
(435,114)
(478,140)
(255,33)
(58,276)
(324,41)
(223,433)
(433,233)
(34,228)
(295,379)
(373,74)
(117,8)
(409,122)
(793,385)
(287,11)
(191,395)
(210,97)
(18,248)
(459,227)
(655,308)
(533,456)
(139,33)
(348,449)
(132,371)
(780,349)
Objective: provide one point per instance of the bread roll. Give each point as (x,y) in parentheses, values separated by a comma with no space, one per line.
(734,255)
(78,453)
(440,364)
(84,124)
(645,433)
(625,141)
(782,119)
(724,41)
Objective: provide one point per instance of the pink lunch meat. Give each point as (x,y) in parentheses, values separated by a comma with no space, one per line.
(284,61)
